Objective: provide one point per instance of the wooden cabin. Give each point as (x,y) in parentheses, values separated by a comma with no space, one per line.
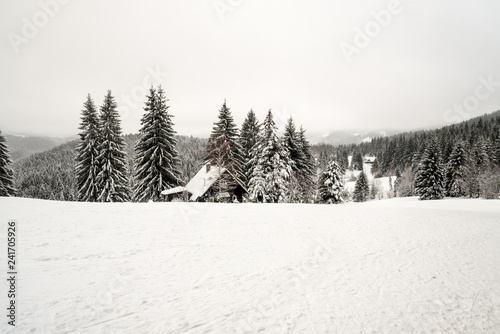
(210,184)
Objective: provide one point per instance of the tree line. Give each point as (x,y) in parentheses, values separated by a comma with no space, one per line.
(460,160)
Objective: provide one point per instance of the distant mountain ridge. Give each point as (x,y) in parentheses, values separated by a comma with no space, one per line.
(357,137)
(23,146)
(349,137)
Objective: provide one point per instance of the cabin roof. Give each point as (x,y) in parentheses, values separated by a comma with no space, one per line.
(175,190)
(201,182)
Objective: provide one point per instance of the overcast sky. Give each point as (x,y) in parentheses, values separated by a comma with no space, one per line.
(332,65)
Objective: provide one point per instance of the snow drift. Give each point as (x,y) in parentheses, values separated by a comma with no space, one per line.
(393,266)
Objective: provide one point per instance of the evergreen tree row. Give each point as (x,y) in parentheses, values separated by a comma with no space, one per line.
(460,160)
(273,169)
(6,174)
(101,166)
(102,169)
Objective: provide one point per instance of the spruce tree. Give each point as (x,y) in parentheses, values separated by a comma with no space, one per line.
(290,143)
(248,138)
(223,147)
(397,183)
(307,171)
(357,161)
(87,166)
(343,160)
(271,162)
(476,165)
(330,184)
(156,158)
(495,150)
(257,185)
(361,188)
(429,180)
(112,178)
(454,171)
(391,190)
(6,175)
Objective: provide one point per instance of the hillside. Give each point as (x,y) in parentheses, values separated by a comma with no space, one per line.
(50,174)
(348,137)
(23,146)
(47,175)
(395,266)
(400,154)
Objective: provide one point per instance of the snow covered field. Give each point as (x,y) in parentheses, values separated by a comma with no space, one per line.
(393,266)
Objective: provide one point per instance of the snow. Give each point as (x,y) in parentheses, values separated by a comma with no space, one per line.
(393,266)
(174,190)
(203,180)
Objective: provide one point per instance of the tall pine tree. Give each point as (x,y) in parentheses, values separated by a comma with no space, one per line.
(291,144)
(112,178)
(223,147)
(87,167)
(361,188)
(248,138)
(357,161)
(271,166)
(454,171)
(307,168)
(6,175)
(330,184)
(156,158)
(429,180)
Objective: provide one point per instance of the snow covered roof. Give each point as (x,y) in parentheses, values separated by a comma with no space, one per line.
(370,159)
(175,190)
(204,179)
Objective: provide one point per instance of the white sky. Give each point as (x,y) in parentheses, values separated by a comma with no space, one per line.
(259,54)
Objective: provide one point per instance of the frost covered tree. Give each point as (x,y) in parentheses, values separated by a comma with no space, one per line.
(257,185)
(454,174)
(302,163)
(248,138)
(87,151)
(361,188)
(6,175)
(272,164)
(391,183)
(357,161)
(292,146)
(156,157)
(397,183)
(112,178)
(476,165)
(223,147)
(307,168)
(330,184)
(495,150)
(429,179)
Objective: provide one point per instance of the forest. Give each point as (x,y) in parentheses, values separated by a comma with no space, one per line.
(464,158)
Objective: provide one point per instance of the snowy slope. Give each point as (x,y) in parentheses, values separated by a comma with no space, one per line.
(394,266)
